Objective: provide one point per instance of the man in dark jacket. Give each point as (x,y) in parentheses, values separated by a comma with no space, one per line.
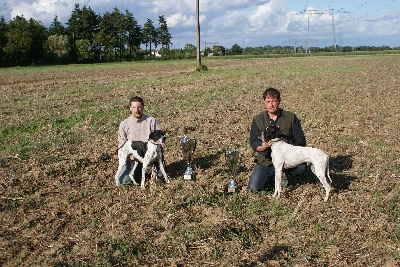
(263,174)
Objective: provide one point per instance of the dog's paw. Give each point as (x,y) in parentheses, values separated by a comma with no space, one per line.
(276,194)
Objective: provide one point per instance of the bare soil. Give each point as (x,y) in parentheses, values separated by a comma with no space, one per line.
(60,207)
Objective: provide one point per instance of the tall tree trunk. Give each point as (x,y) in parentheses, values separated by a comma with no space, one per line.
(150,50)
(198,37)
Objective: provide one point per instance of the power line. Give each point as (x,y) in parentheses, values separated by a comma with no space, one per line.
(361,17)
(309,12)
(306,5)
(210,43)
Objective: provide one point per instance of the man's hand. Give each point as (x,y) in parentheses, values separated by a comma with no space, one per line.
(264,146)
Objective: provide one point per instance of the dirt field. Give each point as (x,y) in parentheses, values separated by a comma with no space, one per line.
(60,207)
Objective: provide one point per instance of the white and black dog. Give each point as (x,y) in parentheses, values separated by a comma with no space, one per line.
(288,156)
(151,150)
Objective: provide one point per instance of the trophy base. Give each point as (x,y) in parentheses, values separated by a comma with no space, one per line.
(188,177)
(232,187)
(231,190)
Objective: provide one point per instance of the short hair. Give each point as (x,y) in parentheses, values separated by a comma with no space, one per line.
(136,99)
(272,92)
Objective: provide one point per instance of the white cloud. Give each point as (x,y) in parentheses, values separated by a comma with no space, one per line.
(230,19)
(44,10)
(260,22)
(361,29)
(160,6)
(272,15)
(180,19)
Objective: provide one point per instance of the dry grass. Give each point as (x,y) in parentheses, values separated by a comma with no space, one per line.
(59,205)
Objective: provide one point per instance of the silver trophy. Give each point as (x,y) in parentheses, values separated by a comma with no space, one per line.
(233,159)
(232,186)
(188,146)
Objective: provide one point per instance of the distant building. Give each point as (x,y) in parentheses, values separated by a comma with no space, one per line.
(155,54)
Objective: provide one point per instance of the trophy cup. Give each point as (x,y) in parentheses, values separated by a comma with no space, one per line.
(233,159)
(188,146)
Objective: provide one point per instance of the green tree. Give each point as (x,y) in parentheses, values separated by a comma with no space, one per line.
(57,48)
(149,34)
(190,51)
(133,34)
(82,25)
(56,27)
(218,50)
(38,34)
(236,50)
(118,20)
(3,41)
(104,44)
(111,35)
(18,41)
(163,33)
(207,51)
(84,51)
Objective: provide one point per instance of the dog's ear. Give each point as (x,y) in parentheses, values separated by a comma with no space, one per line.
(271,132)
(278,131)
(270,129)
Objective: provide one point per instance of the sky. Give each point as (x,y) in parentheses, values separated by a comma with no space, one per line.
(307,23)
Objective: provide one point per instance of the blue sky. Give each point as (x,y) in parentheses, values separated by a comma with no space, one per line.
(244,22)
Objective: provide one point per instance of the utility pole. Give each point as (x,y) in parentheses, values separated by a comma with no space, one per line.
(294,44)
(309,12)
(333,30)
(198,37)
(308,30)
(333,25)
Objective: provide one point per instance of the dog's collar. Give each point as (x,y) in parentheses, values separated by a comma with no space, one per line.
(158,143)
(276,139)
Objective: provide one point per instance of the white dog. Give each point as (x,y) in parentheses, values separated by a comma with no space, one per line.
(152,153)
(288,156)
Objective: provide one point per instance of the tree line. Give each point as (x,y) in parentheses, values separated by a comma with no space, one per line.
(314,50)
(114,36)
(87,38)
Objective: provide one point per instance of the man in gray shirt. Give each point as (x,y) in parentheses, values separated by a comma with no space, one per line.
(136,127)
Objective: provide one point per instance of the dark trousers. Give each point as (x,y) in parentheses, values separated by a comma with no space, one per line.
(123,175)
(263,177)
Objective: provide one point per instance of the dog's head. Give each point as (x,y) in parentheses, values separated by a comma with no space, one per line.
(271,132)
(157,136)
